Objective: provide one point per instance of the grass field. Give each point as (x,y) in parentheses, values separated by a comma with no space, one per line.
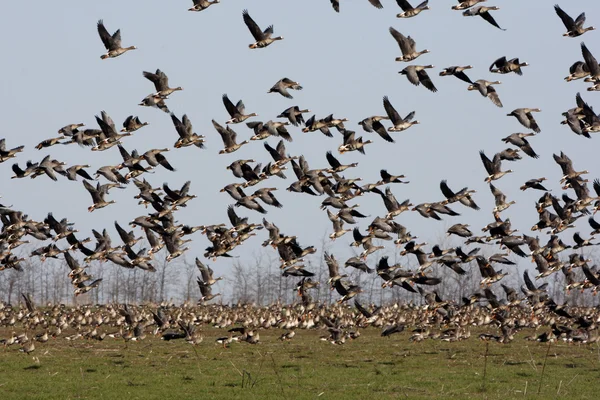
(304,368)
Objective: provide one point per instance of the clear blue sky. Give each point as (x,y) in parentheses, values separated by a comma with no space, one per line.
(53,75)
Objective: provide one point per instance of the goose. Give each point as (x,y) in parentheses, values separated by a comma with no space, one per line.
(487,90)
(578,70)
(410,11)
(70,129)
(6,154)
(279,153)
(294,115)
(373,124)
(336,4)
(282,86)
(493,168)
(407,46)
(161,83)
(75,170)
(313,124)
(591,63)
(483,12)
(504,66)
(187,137)
(534,184)
(200,5)
(49,142)
(461,230)
(229,137)
(416,75)
(499,199)
(132,124)
(463,196)
(519,140)
(353,144)
(112,43)
(400,124)
(574,27)
(263,39)
(236,112)
(524,116)
(464,4)
(97,196)
(156,102)
(154,158)
(267,196)
(458,72)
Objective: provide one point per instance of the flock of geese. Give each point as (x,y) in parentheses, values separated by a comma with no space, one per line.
(507,308)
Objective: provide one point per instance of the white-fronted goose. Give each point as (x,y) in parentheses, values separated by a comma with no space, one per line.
(407,46)
(353,144)
(499,199)
(313,124)
(200,5)
(97,196)
(263,39)
(294,115)
(525,118)
(156,102)
(591,63)
(282,86)
(229,137)
(458,72)
(400,124)
(578,70)
(483,12)
(161,83)
(132,124)
(112,43)
(410,11)
(464,4)
(504,66)
(493,168)
(487,90)
(416,75)
(187,136)
(519,140)
(463,195)
(5,153)
(534,184)
(336,4)
(236,112)
(574,27)
(48,143)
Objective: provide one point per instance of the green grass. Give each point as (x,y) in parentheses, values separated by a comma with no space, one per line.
(305,368)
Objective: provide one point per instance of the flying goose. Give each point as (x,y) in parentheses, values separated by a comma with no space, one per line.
(416,75)
(97,196)
(282,86)
(132,124)
(410,11)
(236,112)
(263,39)
(200,5)
(112,43)
(400,124)
(504,66)
(229,137)
(493,168)
(161,83)
(458,72)
(487,90)
(294,115)
(336,4)
(483,12)
(574,27)
(524,116)
(187,136)
(519,140)
(464,4)
(407,46)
